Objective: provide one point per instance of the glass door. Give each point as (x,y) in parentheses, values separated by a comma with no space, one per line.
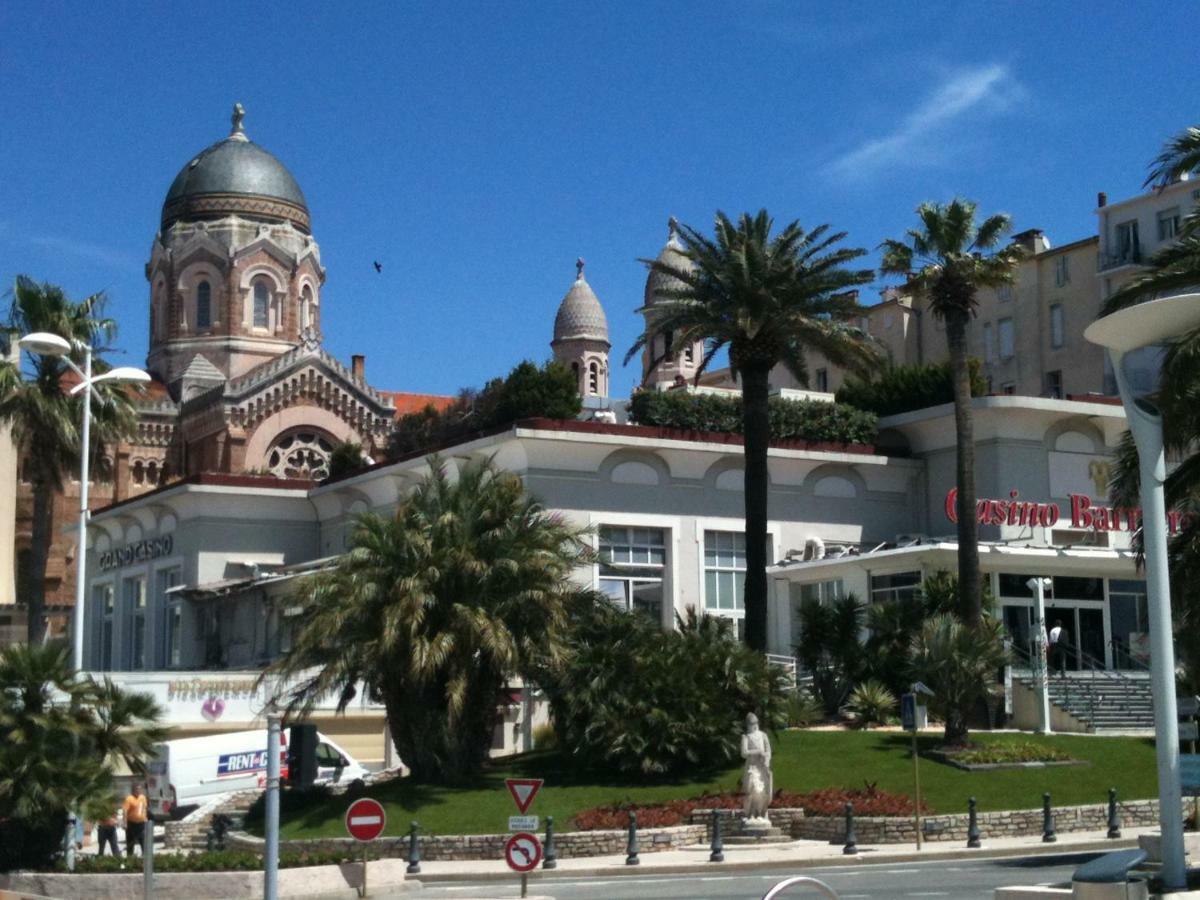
(1091,633)
(1018,622)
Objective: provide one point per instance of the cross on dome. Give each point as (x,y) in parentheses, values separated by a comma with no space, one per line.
(579,264)
(239,113)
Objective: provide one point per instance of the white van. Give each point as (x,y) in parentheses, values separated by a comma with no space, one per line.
(190,771)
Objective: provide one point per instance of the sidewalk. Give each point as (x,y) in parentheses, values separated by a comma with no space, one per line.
(793,854)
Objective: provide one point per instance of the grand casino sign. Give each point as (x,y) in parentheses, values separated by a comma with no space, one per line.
(1084,514)
(141,551)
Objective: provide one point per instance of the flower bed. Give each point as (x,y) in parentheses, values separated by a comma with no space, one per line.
(1003,756)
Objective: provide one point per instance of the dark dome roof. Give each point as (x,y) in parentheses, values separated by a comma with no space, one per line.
(235,176)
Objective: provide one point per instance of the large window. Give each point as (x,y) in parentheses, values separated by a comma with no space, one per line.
(1054,384)
(632,561)
(725,574)
(1062,272)
(171,607)
(1130,619)
(1007,341)
(802,595)
(989,346)
(204,305)
(103,602)
(823,380)
(902,586)
(1127,242)
(1168,223)
(134,596)
(262,305)
(1057,332)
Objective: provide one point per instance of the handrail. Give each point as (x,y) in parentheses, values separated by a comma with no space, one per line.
(800,879)
(1089,687)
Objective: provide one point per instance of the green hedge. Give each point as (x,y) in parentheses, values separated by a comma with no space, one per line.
(803,420)
(900,389)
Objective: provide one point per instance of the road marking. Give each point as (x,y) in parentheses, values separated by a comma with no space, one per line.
(928,894)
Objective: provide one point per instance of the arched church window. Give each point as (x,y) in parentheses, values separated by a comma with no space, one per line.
(152,472)
(300,454)
(688,354)
(139,473)
(593,379)
(158,313)
(204,305)
(668,340)
(262,305)
(306,308)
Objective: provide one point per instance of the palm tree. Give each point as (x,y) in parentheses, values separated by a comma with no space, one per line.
(767,300)
(959,664)
(434,608)
(60,739)
(45,419)
(1180,156)
(946,261)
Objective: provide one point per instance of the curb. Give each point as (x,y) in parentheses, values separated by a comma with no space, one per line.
(617,871)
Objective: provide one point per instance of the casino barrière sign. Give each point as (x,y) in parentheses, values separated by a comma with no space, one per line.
(151,548)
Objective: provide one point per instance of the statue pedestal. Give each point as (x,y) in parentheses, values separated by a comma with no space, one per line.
(757,831)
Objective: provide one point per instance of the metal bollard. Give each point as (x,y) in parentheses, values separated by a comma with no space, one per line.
(549,858)
(414,851)
(718,846)
(972,825)
(1048,835)
(1114,817)
(631,849)
(851,846)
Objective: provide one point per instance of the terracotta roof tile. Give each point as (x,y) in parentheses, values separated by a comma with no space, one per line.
(410,403)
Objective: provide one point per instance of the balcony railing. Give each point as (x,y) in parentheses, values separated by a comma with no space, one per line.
(1131,256)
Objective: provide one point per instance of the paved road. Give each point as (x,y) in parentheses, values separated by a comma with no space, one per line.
(953,880)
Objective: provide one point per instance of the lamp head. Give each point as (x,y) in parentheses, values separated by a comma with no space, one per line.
(45,344)
(1143,324)
(1033,583)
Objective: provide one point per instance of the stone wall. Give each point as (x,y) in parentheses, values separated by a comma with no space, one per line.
(490,846)
(889,830)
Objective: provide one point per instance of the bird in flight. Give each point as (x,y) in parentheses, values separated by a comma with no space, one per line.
(378,266)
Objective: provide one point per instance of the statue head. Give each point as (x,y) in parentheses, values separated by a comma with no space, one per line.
(751,722)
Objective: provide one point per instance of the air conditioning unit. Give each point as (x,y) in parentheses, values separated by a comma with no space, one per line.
(910,540)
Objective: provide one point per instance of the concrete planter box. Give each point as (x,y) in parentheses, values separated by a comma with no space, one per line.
(304,882)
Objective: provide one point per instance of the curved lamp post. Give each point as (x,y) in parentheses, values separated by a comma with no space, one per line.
(46,344)
(1121,334)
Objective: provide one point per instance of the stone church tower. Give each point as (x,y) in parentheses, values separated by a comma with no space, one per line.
(660,368)
(581,337)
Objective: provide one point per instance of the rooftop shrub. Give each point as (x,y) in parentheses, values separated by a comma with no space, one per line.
(900,389)
(799,420)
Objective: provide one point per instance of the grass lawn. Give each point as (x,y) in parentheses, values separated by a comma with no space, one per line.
(803,761)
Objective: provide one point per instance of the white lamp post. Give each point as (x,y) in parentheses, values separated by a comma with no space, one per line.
(1134,328)
(1038,586)
(45,344)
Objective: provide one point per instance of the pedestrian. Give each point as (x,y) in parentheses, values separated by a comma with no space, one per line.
(106,833)
(1058,647)
(134,808)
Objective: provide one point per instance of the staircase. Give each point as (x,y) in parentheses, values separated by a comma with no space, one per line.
(191,832)
(1102,700)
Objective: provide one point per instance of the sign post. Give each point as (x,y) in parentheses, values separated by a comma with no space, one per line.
(365,821)
(908,720)
(523,852)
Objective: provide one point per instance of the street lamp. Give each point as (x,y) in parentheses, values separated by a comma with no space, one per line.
(1038,587)
(46,344)
(1121,333)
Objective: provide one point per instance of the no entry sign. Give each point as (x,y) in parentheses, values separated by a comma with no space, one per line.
(365,819)
(523,852)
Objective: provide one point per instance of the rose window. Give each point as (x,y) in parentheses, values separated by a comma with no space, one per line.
(300,454)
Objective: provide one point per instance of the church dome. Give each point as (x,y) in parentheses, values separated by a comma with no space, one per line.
(672,255)
(235,176)
(580,315)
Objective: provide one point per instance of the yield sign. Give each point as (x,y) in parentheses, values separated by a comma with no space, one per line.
(523,790)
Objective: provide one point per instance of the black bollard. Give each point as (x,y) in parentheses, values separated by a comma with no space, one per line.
(1048,835)
(549,858)
(1114,818)
(414,851)
(631,849)
(718,846)
(851,846)
(972,825)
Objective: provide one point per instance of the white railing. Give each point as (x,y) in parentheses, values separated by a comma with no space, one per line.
(787,663)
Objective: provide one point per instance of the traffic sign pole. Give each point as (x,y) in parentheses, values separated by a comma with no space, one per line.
(365,821)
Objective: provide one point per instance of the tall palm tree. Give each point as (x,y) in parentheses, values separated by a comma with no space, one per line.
(434,608)
(45,419)
(1180,156)
(767,299)
(946,261)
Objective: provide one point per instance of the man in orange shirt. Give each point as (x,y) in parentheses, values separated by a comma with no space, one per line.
(134,808)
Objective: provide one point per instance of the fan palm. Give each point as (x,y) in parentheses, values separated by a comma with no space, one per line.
(768,300)
(959,665)
(45,419)
(946,261)
(434,608)
(60,736)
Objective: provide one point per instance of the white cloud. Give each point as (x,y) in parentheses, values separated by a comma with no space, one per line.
(922,133)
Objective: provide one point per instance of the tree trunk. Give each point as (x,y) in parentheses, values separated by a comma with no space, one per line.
(34,587)
(969,587)
(756,433)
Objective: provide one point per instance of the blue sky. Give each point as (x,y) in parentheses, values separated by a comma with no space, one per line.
(477,149)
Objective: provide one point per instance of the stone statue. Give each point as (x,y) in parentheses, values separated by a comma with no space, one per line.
(757,780)
(239,113)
